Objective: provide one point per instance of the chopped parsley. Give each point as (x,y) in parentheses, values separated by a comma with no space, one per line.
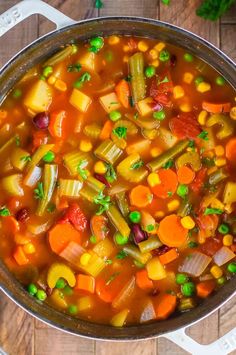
(128,78)
(17,141)
(38,192)
(80,168)
(110,173)
(26,158)
(108,261)
(137,165)
(84,77)
(165,80)
(204,135)
(150,227)
(51,208)
(93,239)
(72,68)
(121,255)
(191,143)
(4,212)
(120,132)
(112,277)
(103,201)
(169,193)
(192,244)
(168,164)
(212,211)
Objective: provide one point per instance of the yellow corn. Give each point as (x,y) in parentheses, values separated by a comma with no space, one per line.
(173,205)
(185,107)
(233,113)
(153,179)
(219,150)
(203,87)
(155,152)
(202,117)
(159,46)
(187,222)
(153,54)
(178,92)
(159,214)
(52,79)
(188,78)
(85,145)
(217,204)
(125,58)
(100,167)
(84,259)
(29,248)
(216,271)
(142,46)
(155,63)
(60,85)
(126,48)
(228,240)
(113,40)
(211,170)
(220,162)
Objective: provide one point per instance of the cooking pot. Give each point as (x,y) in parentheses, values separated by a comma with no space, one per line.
(66,31)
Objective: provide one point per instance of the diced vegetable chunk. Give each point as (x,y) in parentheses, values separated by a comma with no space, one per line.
(110,102)
(79,100)
(39,97)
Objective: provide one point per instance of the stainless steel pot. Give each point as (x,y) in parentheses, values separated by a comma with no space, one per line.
(68,30)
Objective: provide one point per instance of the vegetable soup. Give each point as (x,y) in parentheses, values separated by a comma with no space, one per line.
(118,180)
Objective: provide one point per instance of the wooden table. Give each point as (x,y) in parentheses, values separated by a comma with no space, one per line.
(20,334)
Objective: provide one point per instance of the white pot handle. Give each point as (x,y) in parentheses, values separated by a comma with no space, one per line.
(26,8)
(223,346)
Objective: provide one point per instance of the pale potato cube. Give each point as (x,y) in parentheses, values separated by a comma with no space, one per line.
(110,102)
(144,106)
(85,303)
(39,97)
(167,137)
(79,100)
(88,61)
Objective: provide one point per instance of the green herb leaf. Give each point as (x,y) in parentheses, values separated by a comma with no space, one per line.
(168,164)
(213,9)
(98,4)
(4,212)
(26,158)
(212,211)
(38,192)
(103,201)
(17,141)
(128,78)
(150,228)
(80,168)
(110,173)
(137,165)
(72,68)
(112,277)
(93,239)
(108,261)
(191,143)
(120,132)
(203,135)
(121,255)
(84,77)
(192,244)
(165,80)
(169,193)
(51,208)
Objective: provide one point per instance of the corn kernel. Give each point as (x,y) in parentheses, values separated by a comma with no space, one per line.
(216,271)
(155,152)
(173,205)
(155,63)
(85,145)
(211,170)
(100,167)
(233,113)
(153,179)
(84,259)
(159,46)
(178,92)
(29,248)
(188,78)
(125,59)
(60,85)
(185,107)
(217,204)
(219,150)
(153,54)
(203,87)
(52,79)
(113,40)
(220,162)
(228,240)
(142,46)
(187,222)
(126,48)
(202,117)
(159,214)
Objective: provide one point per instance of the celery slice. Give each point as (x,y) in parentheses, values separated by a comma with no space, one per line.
(128,173)
(119,222)
(108,151)
(49,182)
(19,158)
(91,188)
(73,159)
(38,155)
(12,185)
(69,188)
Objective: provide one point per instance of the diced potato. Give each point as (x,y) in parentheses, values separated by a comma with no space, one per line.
(79,100)
(109,102)
(39,97)
(88,61)
(167,137)
(104,248)
(119,319)
(155,269)
(57,299)
(229,195)
(85,303)
(144,106)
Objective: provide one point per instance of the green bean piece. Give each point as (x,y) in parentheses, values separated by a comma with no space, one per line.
(184,208)
(49,182)
(118,221)
(122,203)
(135,253)
(217,176)
(136,66)
(151,243)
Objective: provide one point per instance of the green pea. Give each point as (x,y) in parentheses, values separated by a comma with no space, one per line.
(93,239)
(198,80)
(182,190)
(73,309)
(159,115)
(232,267)
(150,71)
(17,93)
(220,81)
(164,56)
(49,157)
(121,239)
(32,289)
(223,228)
(60,283)
(221,280)
(135,216)
(181,279)
(96,42)
(41,295)
(47,71)
(67,290)
(114,115)
(188,57)
(188,289)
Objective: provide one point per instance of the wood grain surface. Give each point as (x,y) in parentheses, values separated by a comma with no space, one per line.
(20,334)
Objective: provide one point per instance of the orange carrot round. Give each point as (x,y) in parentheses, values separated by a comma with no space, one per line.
(140,196)
(106,130)
(185,175)
(216,107)
(165,306)
(171,232)
(168,183)
(230,150)
(60,235)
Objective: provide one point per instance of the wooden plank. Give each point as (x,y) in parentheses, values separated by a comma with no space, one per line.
(230,16)
(49,341)
(228,43)
(227,318)
(16,330)
(19,36)
(182,13)
(147,347)
(145,8)
(200,331)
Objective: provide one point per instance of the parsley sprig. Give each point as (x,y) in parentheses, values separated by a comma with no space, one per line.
(137,165)
(39,192)
(120,132)
(110,173)
(81,169)
(103,202)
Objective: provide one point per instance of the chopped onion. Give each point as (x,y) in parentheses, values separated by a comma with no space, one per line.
(102,179)
(206,277)
(36,228)
(139,234)
(223,255)
(72,253)
(148,312)
(195,264)
(33,176)
(157,107)
(125,294)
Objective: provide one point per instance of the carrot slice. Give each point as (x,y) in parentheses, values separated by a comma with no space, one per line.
(230,150)
(20,256)
(168,183)
(85,283)
(140,196)
(60,235)
(205,288)
(185,175)
(142,280)
(169,256)
(98,226)
(171,232)
(106,130)
(216,108)
(123,92)
(108,289)
(11,224)
(165,306)
(56,124)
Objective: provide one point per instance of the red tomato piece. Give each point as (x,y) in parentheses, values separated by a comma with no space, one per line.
(185,125)
(197,184)
(75,216)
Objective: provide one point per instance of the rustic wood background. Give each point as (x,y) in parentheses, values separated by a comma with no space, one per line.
(20,334)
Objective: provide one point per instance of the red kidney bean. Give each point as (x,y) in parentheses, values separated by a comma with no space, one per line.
(102,179)
(41,120)
(22,215)
(161,250)
(138,233)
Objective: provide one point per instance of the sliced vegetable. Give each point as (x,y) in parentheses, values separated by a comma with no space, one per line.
(125,294)
(191,158)
(60,235)
(122,203)
(56,125)
(108,151)
(85,283)
(226,125)
(165,306)
(150,244)
(223,256)
(79,100)
(49,182)
(195,264)
(205,288)
(73,160)
(91,188)
(104,248)
(124,168)
(155,269)
(118,221)
(72,252)
(140,196)
(216,107)
(171,232)
(134,252)
(69,188)
(60,56)
(119,319)
(39,97)
(136,67)
(142,280)
(123,93)
(12,184)
(99,228)
(169,256)
(106,130)
(168,183)
(58,270)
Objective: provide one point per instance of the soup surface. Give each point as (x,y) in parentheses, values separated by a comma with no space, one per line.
(118,180)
